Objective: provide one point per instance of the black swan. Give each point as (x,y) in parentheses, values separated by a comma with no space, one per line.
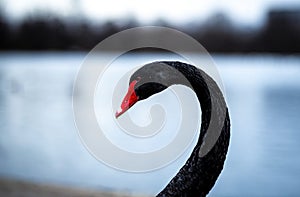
(200,172)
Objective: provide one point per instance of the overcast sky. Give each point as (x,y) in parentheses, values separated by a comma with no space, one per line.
(245,11)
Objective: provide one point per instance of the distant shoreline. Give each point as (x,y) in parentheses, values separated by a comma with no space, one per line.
(279,33)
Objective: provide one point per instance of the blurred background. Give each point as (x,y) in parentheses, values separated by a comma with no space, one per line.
(254,43)
(226,26)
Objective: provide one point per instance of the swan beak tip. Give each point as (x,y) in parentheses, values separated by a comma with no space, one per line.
(118,113)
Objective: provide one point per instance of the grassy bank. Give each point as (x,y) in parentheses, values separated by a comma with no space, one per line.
(16,188)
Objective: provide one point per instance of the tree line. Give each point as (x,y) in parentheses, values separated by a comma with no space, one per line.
(280,33)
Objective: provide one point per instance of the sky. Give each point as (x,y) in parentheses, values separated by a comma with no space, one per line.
(245,12)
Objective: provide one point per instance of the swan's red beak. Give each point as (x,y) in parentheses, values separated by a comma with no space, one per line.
(129,100)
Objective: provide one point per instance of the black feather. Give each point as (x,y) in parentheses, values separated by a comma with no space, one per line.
(200,172)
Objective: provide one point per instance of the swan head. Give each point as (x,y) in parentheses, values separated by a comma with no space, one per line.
(148,80)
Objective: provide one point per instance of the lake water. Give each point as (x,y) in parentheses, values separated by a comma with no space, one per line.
(39,141)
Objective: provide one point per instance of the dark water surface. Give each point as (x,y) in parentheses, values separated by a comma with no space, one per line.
(39,141)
